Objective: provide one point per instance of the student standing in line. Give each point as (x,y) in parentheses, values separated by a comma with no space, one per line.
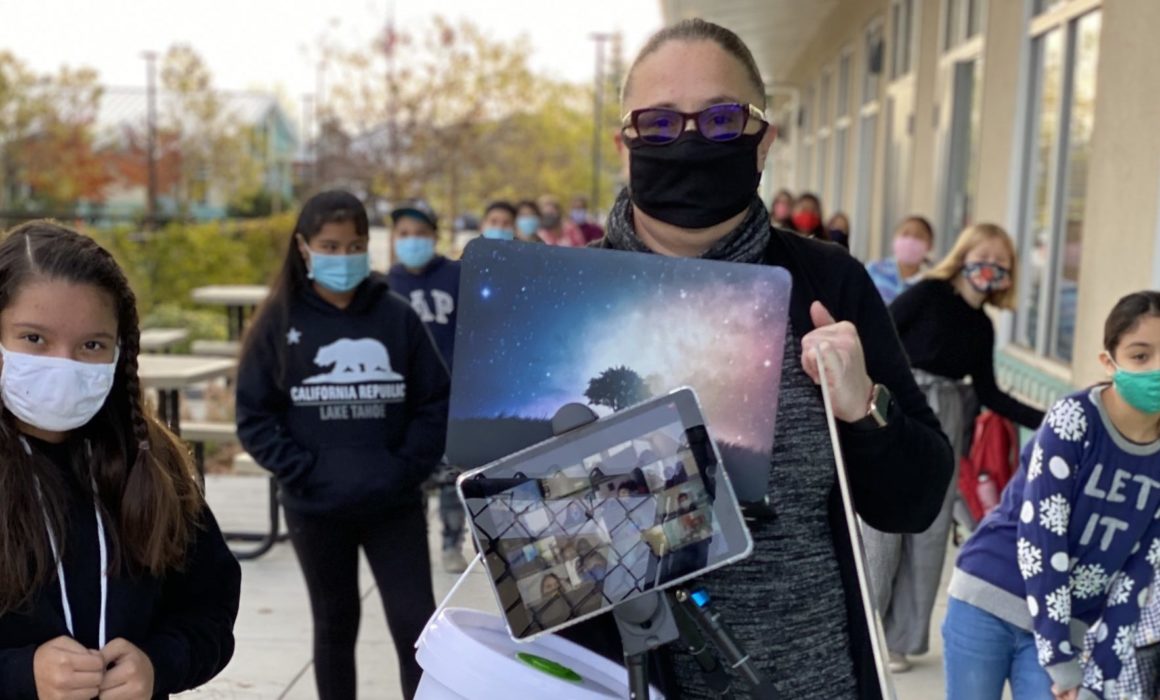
(343,396)
(948,337)
(431,283)
(499,221)
(115,580)
(528,222)
(781,210)
(1075,542)
(913,240)
(807,217)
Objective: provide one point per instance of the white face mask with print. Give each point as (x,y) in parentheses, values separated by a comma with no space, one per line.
(54,393)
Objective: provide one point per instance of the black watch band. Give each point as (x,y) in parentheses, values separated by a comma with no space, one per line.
(879,411)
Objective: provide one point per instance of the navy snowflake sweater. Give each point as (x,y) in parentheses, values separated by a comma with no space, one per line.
(1073,543)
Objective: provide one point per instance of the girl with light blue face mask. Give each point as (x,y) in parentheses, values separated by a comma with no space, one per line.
(499,221)
(414,242)
(335,253)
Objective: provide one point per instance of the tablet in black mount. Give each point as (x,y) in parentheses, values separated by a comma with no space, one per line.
(608,511)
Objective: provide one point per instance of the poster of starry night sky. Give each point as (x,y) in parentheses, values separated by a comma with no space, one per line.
(540,327)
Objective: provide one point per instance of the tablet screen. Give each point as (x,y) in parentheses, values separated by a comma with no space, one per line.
(631,503)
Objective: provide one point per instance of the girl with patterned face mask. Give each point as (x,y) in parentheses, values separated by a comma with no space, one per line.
(115,580)
(1074,544)
(949,338)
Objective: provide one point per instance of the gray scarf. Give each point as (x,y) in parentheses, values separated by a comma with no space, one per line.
(746,243)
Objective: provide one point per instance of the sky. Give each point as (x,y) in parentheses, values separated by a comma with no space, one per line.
(252,44)
(537,323)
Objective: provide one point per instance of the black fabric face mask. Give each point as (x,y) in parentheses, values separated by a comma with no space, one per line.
(694,182)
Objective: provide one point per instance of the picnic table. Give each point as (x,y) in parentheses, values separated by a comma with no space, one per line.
(236,298)
(169,374)
(161,339)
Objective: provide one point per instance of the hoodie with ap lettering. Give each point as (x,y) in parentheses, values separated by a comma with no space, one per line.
(346,407)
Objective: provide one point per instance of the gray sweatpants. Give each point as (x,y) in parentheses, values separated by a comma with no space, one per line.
(905,570)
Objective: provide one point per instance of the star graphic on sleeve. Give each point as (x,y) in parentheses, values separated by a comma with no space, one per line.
(293,336)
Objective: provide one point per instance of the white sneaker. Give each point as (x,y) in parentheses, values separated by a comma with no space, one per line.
(899,663)
(454,561)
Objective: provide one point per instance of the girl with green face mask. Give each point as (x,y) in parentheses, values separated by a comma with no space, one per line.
(1075,541)
(1132,358)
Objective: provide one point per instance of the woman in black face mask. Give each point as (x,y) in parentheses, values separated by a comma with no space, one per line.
(694,140)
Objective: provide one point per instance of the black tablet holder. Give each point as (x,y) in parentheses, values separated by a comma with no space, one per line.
(675,615)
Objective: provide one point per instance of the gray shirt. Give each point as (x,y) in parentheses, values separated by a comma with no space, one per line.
(785,604)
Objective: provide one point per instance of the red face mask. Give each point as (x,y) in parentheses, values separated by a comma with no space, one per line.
(806,221)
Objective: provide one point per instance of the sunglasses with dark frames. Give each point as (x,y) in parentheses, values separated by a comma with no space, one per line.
(659,126)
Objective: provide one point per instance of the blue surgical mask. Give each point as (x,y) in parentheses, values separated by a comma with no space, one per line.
(498,234)
(528,225)
(579,215)
(415,251)
(339,273)
(1141,390)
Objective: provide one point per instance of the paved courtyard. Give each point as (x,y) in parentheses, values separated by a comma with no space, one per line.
(273,631)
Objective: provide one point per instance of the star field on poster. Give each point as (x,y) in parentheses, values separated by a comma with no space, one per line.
(537,324)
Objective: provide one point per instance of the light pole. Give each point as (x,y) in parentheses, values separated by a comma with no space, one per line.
(598,118)
(151,138)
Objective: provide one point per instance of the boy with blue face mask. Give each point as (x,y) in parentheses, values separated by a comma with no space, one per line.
(430,282)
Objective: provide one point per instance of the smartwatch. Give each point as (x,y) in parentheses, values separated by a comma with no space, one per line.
(876,415)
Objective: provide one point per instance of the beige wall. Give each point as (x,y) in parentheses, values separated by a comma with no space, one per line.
(846,26)
(1002,60)
(1122,215)
(1124,179)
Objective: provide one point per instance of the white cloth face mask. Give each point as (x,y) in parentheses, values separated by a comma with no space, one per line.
(54,393)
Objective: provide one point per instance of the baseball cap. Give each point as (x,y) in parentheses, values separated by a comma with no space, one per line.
(418,209)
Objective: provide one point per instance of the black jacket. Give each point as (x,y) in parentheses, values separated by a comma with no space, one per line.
(899,474)
(356,419)
(183,622)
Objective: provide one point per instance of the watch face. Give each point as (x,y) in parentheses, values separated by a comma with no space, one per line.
(881,407)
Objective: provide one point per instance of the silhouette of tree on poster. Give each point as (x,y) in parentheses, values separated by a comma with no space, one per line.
(617,388)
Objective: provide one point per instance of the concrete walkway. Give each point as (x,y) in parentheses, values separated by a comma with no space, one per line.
(273,632)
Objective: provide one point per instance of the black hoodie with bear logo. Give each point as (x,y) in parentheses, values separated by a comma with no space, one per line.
(347,407)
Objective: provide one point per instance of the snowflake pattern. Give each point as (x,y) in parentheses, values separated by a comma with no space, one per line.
(1043,646)
(1054,514)
(1154,554)
(1036,467)
(1059,605)
(1093,677)
(1030,559)
(1121,590)
(1068,420)
(1088,580)
(1125,645)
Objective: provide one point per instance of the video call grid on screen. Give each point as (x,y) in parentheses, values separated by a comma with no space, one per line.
(627,505)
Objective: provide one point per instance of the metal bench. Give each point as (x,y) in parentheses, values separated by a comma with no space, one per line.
(244,464)
(216,348)
(199,433)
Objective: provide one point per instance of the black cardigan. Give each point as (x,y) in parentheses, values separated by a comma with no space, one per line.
(898,475)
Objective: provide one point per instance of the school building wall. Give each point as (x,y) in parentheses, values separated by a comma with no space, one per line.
(1112,217)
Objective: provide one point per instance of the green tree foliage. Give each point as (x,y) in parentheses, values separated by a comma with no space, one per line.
(213,147)
(448,113)
(165,266)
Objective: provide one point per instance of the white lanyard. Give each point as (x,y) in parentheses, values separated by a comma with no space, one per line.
(104,553)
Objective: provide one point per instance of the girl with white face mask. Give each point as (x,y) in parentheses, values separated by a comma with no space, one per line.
(115,580)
